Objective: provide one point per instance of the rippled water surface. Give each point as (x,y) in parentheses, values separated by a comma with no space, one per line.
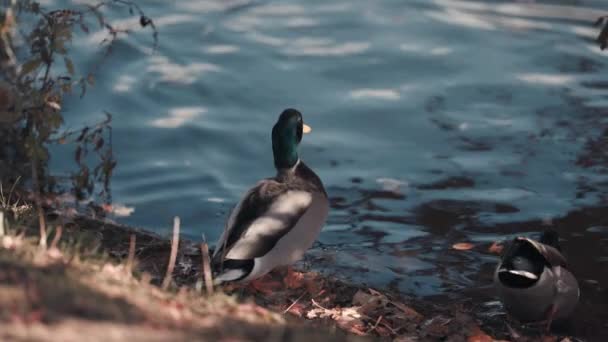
(434,122)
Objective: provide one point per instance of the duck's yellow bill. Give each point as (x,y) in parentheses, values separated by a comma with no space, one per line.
(306,129)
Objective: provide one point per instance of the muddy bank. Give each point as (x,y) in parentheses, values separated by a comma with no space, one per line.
(326,303)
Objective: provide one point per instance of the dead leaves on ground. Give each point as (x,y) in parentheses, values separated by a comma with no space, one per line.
(388,316)
(348,318)
(364,312)
(377,314)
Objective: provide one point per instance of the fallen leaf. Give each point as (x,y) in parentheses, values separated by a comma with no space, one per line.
(320,313)
(294,280)
(496,248)
(478,335)
(314,313)
(463,246)
(349,319)
(350,312)
(346,318)
(409,312)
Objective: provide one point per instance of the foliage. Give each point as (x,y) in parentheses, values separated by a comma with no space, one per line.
(36,74)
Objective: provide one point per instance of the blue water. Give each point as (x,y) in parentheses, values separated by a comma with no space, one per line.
(500,97)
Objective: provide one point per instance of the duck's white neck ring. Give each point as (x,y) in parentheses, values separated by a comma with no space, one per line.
(290,169)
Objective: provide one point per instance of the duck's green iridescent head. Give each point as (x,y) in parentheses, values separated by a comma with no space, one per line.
(286,135)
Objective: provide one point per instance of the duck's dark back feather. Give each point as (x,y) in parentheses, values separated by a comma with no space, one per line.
(301,178)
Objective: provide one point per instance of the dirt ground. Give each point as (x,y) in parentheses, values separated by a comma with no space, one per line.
(83,284)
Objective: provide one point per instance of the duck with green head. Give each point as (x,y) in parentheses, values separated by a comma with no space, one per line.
(279,218)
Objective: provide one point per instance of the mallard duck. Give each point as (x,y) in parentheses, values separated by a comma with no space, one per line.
(279,218)
(533,280)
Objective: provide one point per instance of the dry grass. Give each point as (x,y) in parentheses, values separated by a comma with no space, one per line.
(11,204)
(173,255)
(63,292)
(206,267)
(105,280)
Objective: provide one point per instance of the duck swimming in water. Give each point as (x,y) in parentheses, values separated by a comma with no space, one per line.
(533,280)
(279,218)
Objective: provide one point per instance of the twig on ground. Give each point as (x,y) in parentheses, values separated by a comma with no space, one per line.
(294,303)
(173,257)
(131,257)
(207,277)
(392,330)
(375,325)
(314,302)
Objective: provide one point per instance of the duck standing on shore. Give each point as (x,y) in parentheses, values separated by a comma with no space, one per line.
(279,218)
(533,281)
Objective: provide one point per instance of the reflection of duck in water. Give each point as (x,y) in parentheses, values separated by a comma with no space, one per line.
(533,281)
(277,220)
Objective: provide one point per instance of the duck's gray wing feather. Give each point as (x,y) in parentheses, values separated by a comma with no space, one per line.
(265,214)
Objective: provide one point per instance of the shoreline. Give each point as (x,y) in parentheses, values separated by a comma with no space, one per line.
(299,304)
